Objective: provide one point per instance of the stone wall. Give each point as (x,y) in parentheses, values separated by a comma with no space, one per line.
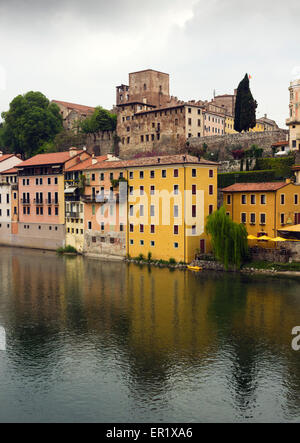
(101,143)
(218,143)
(105,245)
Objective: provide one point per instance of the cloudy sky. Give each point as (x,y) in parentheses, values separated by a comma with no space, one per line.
(78,51)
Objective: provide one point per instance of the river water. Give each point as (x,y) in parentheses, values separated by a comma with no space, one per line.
(110,342)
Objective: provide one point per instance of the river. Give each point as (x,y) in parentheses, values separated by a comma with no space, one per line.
(93,341)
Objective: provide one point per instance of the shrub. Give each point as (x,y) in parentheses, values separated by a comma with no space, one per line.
(229,178)
(68,249)
(149,256)
(172,261)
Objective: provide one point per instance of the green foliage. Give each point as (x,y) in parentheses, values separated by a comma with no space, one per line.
(100,120)
(172,261)
(281,166)
(67,250)
(149,256)
(229,178)
(245,107)
(254,152)
(82,182)
(30,122)
(229,239)
(141,257)
(295,266)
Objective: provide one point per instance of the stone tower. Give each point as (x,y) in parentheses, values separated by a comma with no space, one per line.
(293,122)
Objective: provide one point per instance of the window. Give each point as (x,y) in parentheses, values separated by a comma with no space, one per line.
(262,219)
(244,199)
(194,230)
(296,199)
(189,121)
(141,228)
(176,245)
(189,110)
(193,210)
(211,189)
(211,173)
(111,176)
(131,242)
(176,229)
(36,181)
(194,189)
(252,218)
(210,209)
(152,174)
(152,229)
(49,181)
(141,174)
(102,176)
(253,199)
(55,181)
(142,138)
(131,228)
(176,189)
(243,217)
(142,242)
(282,199)
(229,199)
(164,173)
(121,227)
(194,172)
(263,199)
(41,181)
(93,209)
(131,210)
(56,211)
(49,211)
(131,190)
(131,175)
(152,243)
(282,219)
(102,226)
(152,211)
(141,190)
(152,190)
(141,210)
(93,177)
(175,211)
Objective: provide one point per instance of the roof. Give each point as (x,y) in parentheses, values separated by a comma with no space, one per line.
(148,70)
(283,143)
(81,108)
(5,157)
(153,161)
(10,171)
(86,163)
(48,159)
(248,187)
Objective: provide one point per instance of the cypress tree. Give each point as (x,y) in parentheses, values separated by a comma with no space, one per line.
(245,107)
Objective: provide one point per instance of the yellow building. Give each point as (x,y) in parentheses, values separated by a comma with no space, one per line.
(263,207)
(229,126)
(169,199)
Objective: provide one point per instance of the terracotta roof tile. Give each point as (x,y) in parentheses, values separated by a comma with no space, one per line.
(81,108)
(248,187)
(10,171)
(153,161)
(5,157)
(283,143)
(48,159)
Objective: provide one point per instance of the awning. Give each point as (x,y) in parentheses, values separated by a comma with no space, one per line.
(70,190)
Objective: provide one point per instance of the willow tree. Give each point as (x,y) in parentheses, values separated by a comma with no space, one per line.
(229,239)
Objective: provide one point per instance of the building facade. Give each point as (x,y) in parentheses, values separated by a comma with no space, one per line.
(293,122)
(263,207)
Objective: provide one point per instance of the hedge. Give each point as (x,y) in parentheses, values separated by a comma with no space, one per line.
(274,163)
(229,178)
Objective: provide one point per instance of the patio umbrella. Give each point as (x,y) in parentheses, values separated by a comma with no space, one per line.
(252,237)
(265,237)
(278,239)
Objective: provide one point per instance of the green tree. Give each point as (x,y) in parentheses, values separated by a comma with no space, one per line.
(245,107)
(100,120)
(30,122)
(229,239)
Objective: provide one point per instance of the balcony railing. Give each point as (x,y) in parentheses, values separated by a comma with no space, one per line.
(25,201)
(38,201)
(71,214)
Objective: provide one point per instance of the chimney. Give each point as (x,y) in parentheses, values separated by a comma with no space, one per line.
(73,151)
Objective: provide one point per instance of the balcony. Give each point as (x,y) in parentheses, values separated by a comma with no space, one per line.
(25,201)
(70,214)
(38,201)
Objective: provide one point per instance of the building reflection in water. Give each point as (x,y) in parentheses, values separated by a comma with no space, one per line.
(161,326)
